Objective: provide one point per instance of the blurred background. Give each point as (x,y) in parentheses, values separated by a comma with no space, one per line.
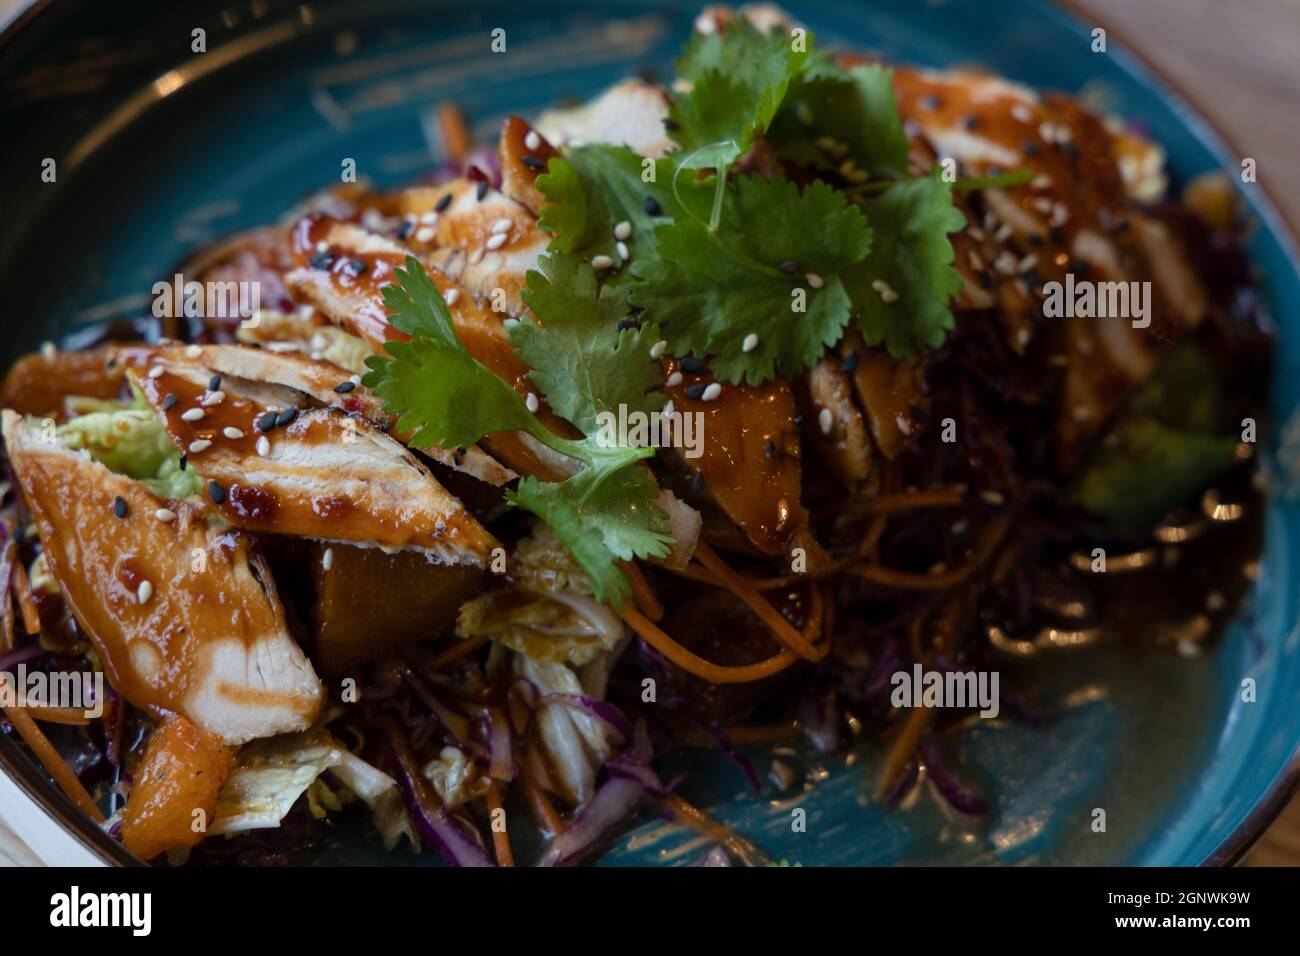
(1239,66)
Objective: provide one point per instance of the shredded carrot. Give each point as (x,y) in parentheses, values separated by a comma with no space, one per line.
(989,538)
(461,650)
(60,715)
(539,803)
(885,504)
(8,558)
(782,629)
(871,540)
(646,600)
(26,602)
(903,747)
(500,838)
(694,817)
(455,134)
(52,761)
(694,664)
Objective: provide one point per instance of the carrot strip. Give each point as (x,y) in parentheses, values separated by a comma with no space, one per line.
(455,134)
(500,839)
(903,747)
(539,803)
(453,654)
(646,600)
(26,602)
(776,623)
(51,760)
(60,715)
(694,664)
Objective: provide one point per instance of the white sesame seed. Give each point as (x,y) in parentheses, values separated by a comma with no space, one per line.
(322,246)
(192,414)
(263,446)
(1022,114)
(501,225)
(354,379)
(712,392)
(429,219)
(601,262)
(497,240)
(825,420)
(327,559)
(165,514)
(623,230)
(144,592)
(198,445)
(531,403)
(902,424)
(156,371)
(673,380)
(1003,234)
(1027,263)
(424,234)
(1041,181)
(1005,263)
(193,352)
(621,248)
(668,409)
(814,280)
(750,343)
(657,350)
(233,433)
(49,350)
(476,257)
(213,398)
(451,296)
(532,140)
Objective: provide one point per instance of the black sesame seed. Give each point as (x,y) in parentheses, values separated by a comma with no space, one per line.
(971,122)
(344,387)
(405,228)
(532,162)
(184,461)
(358,266)
(769,449)
(112,363)
(168,402)
(798,422)
(789,266)
(931,102)
(850,363)
(1034,239)
(321,260)
(265,422)
(119,506)
(692,364)
(697,483)
(482,189)
(625,324)
(216,493)
(285,417)
(696,390)
(1070,150)
(442,203)
(985,280)
(214,383)
(652,207)
(1031,149)
(1056,234)
(20,534)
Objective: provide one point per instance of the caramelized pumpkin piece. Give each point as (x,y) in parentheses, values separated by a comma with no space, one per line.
(174,792)
(369,603)
(37,384)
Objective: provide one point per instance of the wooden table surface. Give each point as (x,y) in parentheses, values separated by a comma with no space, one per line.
(1239,61)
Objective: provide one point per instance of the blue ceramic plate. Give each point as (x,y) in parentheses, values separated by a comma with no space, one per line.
(160,151)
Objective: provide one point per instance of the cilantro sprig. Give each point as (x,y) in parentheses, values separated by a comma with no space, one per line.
(605,512)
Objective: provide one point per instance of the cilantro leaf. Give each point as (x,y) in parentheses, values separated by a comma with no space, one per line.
(910,263)
(737,82)
(432,383)
(711,291)
(580,361)
(833,115)
(593,189)
(605,512)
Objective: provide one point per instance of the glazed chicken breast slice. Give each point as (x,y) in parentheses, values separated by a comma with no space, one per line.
(185,616)
(317,473)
